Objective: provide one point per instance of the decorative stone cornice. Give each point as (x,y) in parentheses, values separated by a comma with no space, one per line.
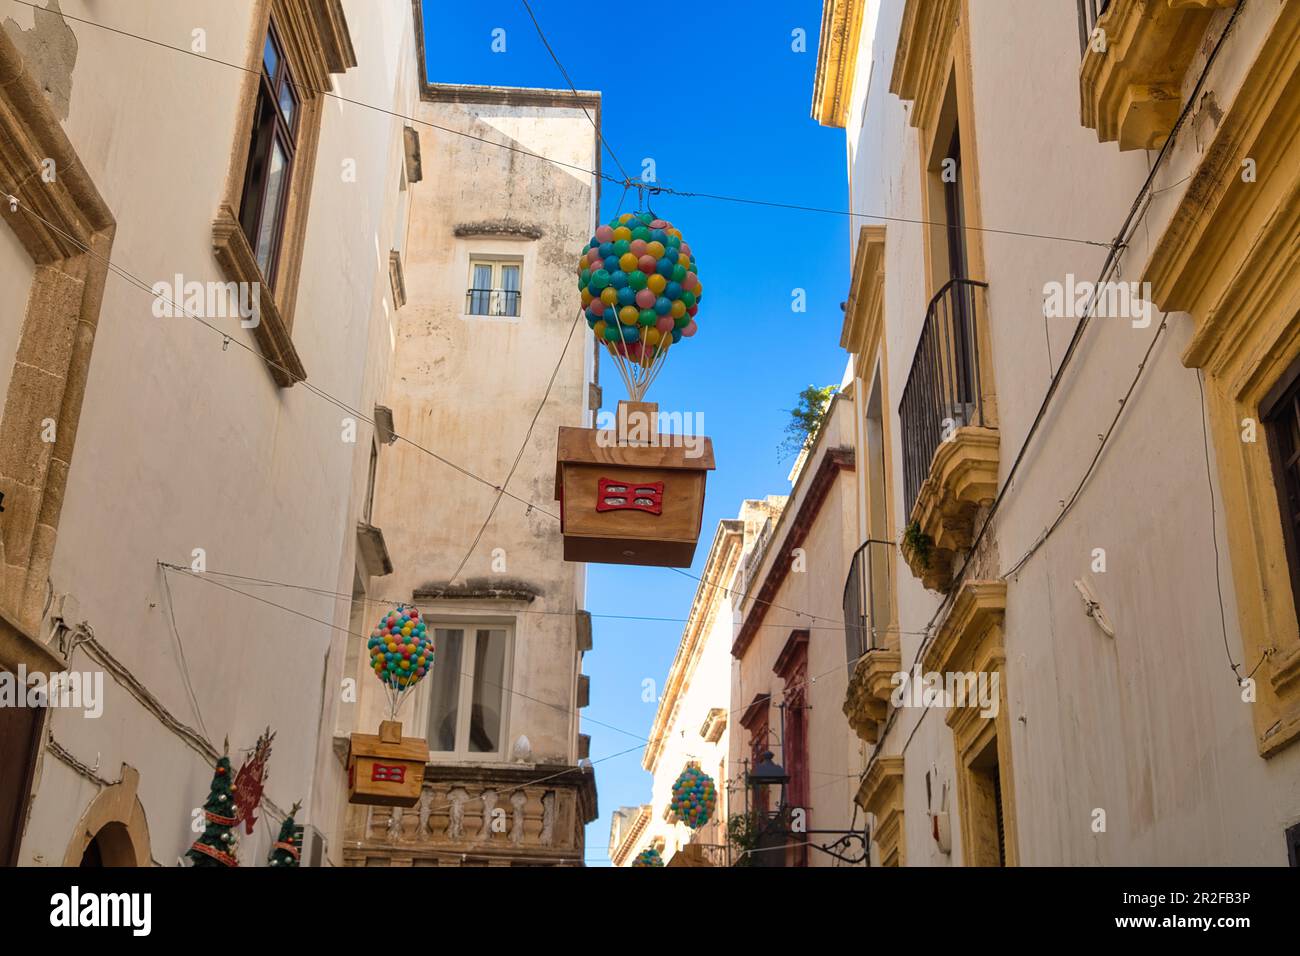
(315,34)
(963,476)
(1130,90)
(864,310)
(724,556)
(1203,263)
(831,464)
(923,55)
(239,264)
(866,700)
(979,605)
(881,794)
(837,56)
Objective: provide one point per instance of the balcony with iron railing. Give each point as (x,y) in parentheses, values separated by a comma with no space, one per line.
(871,643)
(1134,57)
(492,303)
(950,444)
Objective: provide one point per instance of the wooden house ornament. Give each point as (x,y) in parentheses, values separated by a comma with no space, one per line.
(386,769)
(630,495)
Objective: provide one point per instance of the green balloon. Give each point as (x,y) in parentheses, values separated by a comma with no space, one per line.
(636,279)
(648,317)
(612,334)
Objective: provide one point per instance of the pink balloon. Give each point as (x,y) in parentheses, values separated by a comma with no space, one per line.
(645,299)
(690,329)
(597,306)
(637,247)
(690,282)
(665,323)
(605,234)
(686,250)
(647,264)
(658,224)
(594,258)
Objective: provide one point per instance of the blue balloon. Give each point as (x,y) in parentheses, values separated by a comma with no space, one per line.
(611,264)
(626,296)
(665,267)
(659,236)
(677,335)
(606,250)
(663,305)
(673,290)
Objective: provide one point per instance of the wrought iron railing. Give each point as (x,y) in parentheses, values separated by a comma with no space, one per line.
(866,596)
(492,302)
(1090,12)
(943,388)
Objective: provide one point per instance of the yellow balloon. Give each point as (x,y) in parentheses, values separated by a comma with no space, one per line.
(628,262)
(650,335)
(625,217)
(655,249)
(622,232)
(675,232)
(599,329)
(656,283)
(629,314)
(609,295)
(586,298)
(678,309)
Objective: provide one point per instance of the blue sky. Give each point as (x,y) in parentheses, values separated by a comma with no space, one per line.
(722,107)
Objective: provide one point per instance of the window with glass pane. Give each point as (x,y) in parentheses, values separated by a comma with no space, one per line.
(267,176)
(467,691)
(494,288)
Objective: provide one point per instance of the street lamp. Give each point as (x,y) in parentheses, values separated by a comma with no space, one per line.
(775,833)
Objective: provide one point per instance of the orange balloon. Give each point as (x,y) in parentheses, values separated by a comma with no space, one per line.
(656,283)
(609,295)
(629,314)
(628,262)
(655,249)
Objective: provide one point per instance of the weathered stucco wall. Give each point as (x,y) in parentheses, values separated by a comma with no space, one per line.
(1150,725)
(467,387)
(184,445)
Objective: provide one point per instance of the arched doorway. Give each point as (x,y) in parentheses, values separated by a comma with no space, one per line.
(113,830)
(111,846)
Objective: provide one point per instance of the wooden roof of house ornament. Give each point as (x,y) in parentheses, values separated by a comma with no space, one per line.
(630,495)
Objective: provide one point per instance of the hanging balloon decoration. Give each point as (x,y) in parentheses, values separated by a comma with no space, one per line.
(640,293)
(694,797)
(649,857)
(387,769)
(630,495)
(401,653)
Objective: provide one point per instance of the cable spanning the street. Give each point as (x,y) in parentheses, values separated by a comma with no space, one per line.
(626,181)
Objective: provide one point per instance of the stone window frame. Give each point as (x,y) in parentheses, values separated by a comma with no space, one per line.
(314,38)
(1227,258)
(67,228)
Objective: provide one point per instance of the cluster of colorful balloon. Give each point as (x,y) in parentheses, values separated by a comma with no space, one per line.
(639,286)
(401,650)
(649,857)
(695,797)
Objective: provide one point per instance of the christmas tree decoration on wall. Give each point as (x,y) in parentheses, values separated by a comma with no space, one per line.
(387,769)
(630,495)
(287,850)
(217,845)
(649,857)
(250,782)
(694,797)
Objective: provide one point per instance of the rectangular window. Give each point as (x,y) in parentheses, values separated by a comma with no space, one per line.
(370,481)
(494,288)
(467,694)
(270,158)
(1281,415)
